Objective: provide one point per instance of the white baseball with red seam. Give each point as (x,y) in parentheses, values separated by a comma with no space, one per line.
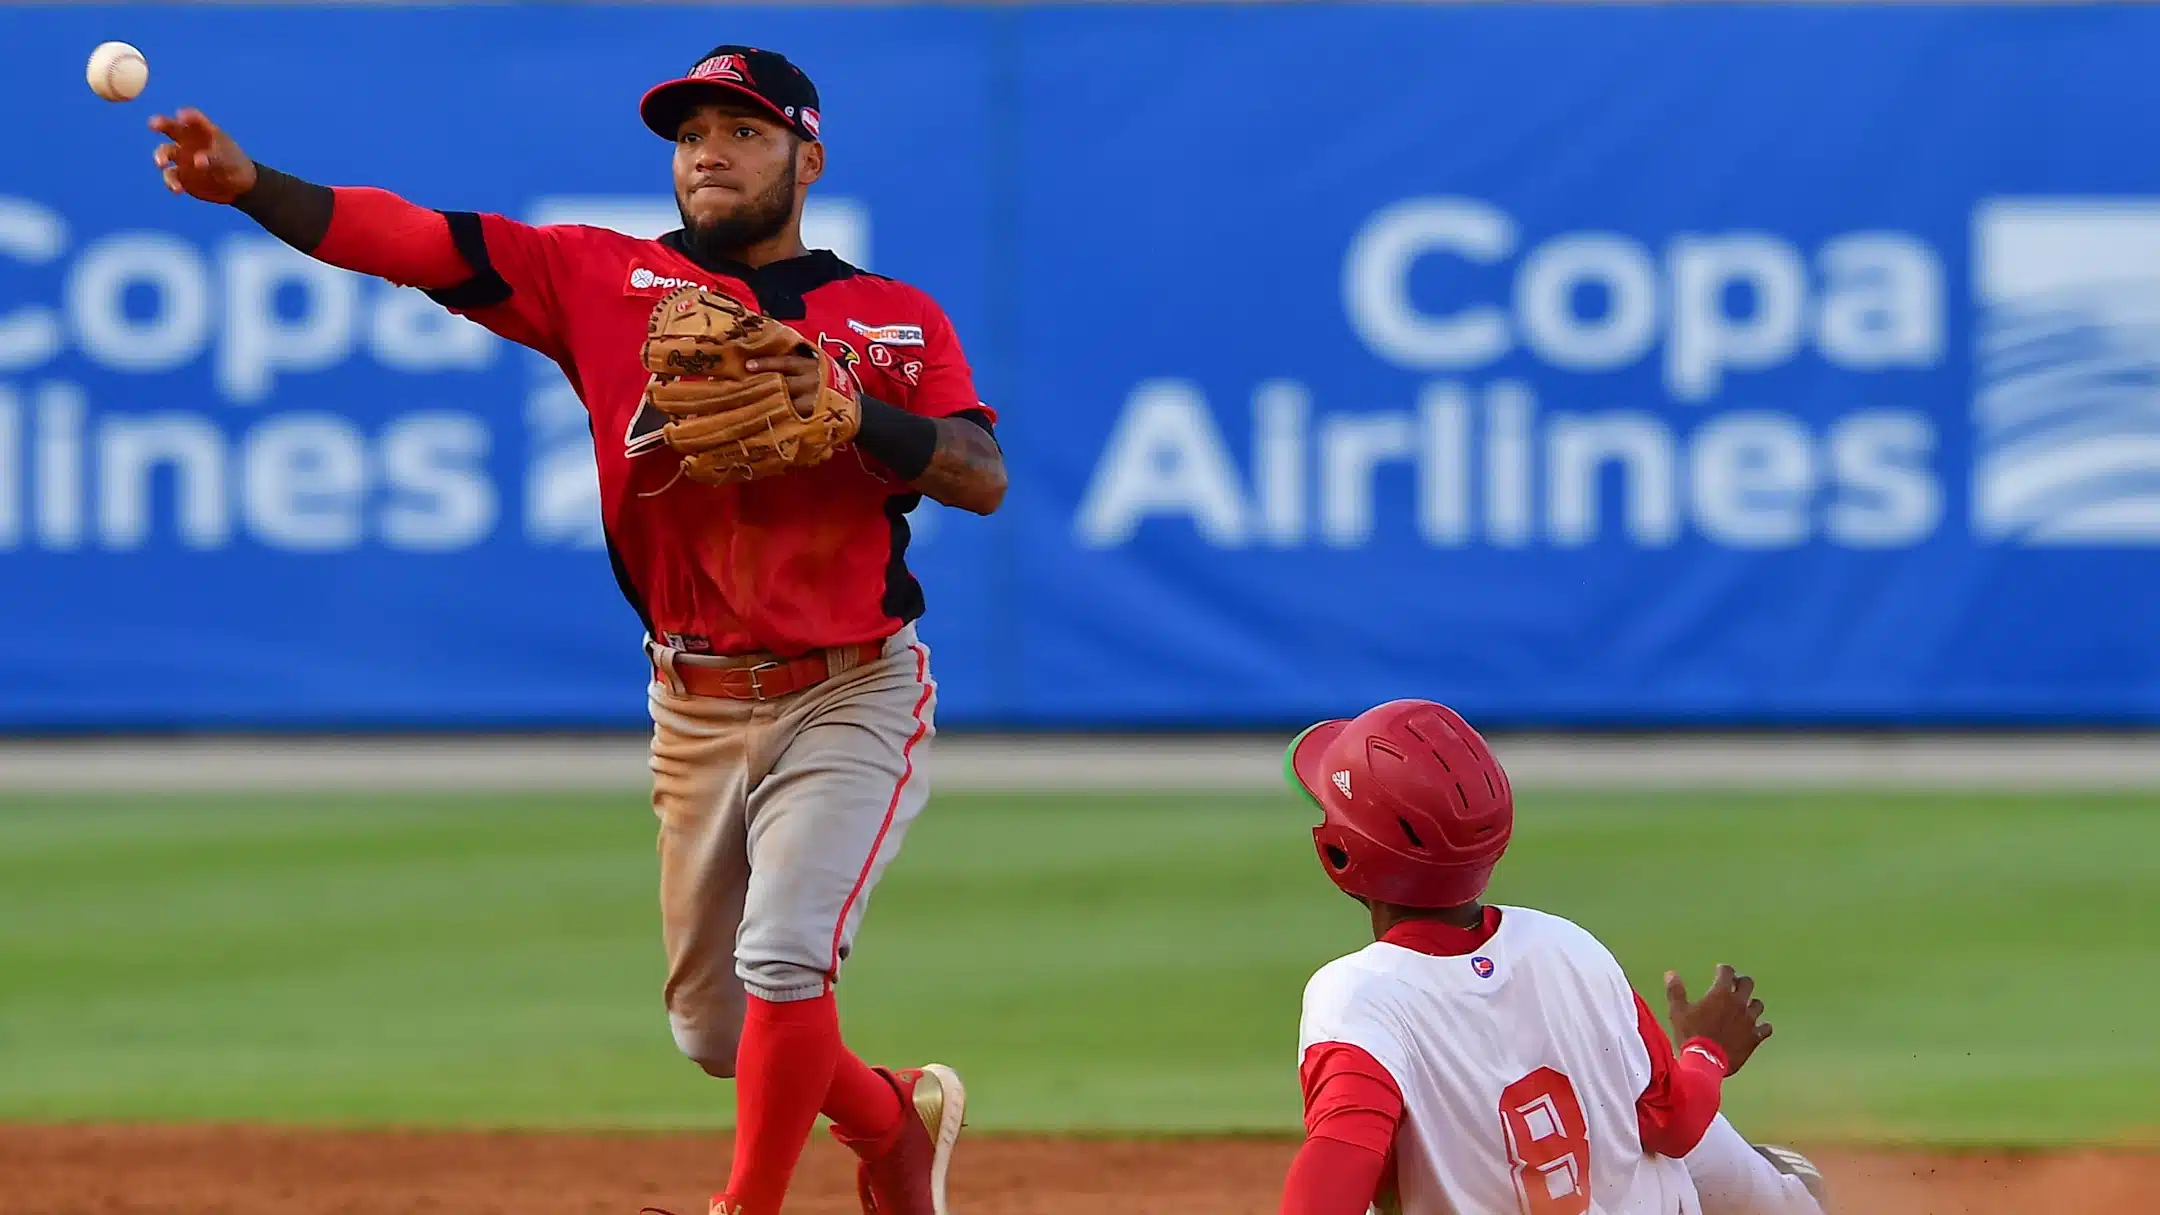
(118,71)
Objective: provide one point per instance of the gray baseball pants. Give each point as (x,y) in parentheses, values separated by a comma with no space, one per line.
(777,818)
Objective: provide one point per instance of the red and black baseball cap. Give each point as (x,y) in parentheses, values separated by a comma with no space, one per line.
(764,78)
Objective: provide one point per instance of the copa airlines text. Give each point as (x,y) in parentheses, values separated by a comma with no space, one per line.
(77,472)
(1486,461)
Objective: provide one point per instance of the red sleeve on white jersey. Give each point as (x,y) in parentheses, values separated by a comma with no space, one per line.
(1327,1177)
(1682,1098)
(1352,1110)
(1350,1097)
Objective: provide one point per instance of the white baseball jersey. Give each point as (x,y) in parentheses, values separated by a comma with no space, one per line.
(1519,1066)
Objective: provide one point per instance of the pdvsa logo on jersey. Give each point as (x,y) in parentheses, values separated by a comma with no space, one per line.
(1483,966)
(642,279)
(723,67)
(2066,405)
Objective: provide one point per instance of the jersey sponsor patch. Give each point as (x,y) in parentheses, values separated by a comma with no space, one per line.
(1483,966)
(890,335)
(643,278)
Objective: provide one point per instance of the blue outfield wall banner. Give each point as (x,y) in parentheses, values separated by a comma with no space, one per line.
(1608,365)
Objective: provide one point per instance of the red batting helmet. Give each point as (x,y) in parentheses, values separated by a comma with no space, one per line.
(1415,809)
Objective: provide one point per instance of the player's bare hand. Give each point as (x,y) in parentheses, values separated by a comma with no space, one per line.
(201,160)
(1728,1014)
(803,373)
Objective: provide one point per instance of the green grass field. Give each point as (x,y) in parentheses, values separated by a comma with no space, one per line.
(1940,968)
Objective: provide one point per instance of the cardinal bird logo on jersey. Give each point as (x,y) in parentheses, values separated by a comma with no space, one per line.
(1483,966)
(844,355)
(723,67)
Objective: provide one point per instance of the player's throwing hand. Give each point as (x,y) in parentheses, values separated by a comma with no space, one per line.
(201,160)
(1728,1014)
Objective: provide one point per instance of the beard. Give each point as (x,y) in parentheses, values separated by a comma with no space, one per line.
(758,219)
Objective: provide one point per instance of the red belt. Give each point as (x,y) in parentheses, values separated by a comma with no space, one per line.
(763,677)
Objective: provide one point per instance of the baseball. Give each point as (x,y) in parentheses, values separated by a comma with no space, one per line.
(118,71)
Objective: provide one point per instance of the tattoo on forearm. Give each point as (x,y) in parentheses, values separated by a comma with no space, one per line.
(966,470)
(295,211)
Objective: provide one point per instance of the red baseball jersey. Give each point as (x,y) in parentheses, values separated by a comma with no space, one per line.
(788,564)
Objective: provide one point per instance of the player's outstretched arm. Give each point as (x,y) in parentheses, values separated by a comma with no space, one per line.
(368,231)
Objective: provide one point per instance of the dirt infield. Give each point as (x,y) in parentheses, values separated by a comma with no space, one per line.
(245,1171)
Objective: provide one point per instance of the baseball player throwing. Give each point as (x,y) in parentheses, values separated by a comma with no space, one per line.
(765,416)
(1494,1059)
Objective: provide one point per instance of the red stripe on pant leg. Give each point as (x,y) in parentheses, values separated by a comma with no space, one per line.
(907,773)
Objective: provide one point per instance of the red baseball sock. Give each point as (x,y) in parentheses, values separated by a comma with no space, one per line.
(783,1069)
(862,1104)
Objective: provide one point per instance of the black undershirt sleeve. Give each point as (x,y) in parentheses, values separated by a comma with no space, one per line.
(903,441)
(295,211)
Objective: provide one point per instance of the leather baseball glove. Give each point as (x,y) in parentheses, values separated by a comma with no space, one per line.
(728,424)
